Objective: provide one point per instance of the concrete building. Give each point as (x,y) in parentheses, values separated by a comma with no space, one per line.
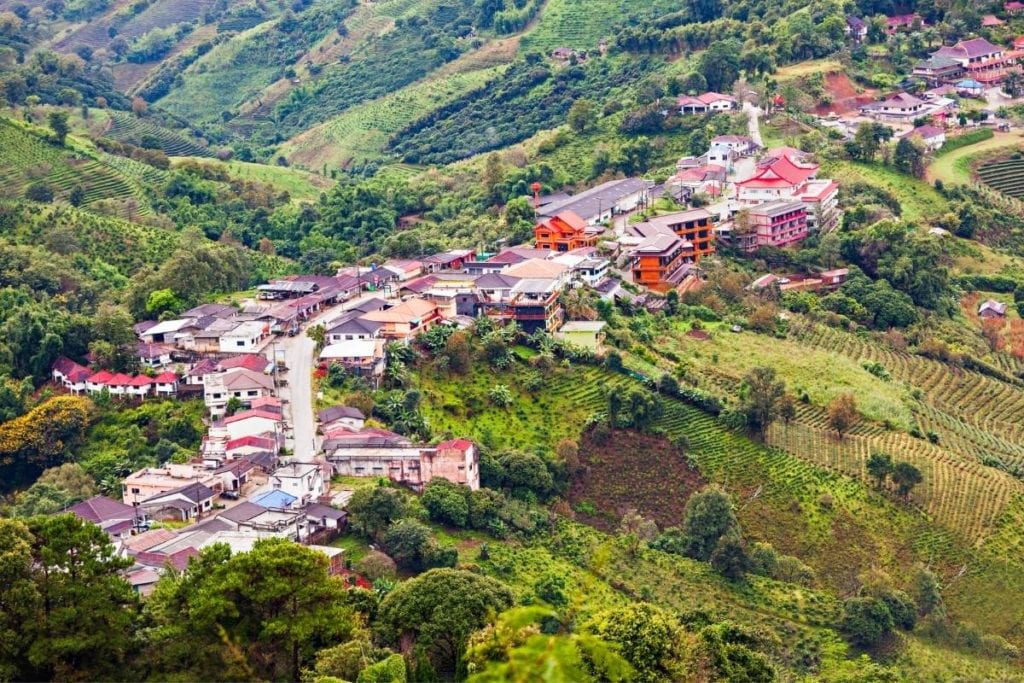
(378,453)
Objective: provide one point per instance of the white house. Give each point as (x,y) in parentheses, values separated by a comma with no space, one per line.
(165,331)
(71,375)
(362,356)
(341,417)
(244,338)
(703,104)
(140,386)
(240,383)
(252,423)
(932,137)
(166,384)
(304,480)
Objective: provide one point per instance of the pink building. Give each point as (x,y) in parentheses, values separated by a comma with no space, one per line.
(779,224)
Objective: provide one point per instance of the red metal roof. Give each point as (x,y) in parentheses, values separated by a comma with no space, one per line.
(101,377)
(257,441)
(166,378)
(245,415)
(456,444)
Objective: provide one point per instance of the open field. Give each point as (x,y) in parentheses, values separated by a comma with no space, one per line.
(956,166)
(127,127)
(808,68)
(918,198)
(1006,175)
(301,185)
(582,24)
(27,158)
(780,489)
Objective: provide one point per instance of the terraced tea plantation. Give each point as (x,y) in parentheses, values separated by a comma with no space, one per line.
(129,128)
(362,131)
(28,159)
(1006,175)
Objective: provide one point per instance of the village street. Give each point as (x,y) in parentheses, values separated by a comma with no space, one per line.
(298,352)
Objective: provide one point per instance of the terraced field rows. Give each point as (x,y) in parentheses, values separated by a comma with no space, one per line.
(582,24)
(27,159)
(1006,176)
(136,169)
(127,127)
(164,13)
(362,131)
(996,406)
(962,495)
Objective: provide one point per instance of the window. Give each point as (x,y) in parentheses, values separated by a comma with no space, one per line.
(135,490)
(240,342)
(253,393)
(216,396)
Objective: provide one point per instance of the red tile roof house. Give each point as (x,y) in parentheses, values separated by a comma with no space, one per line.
(166,384)
(703,104)
(784,177)
(1014,7)
(139,387)
(903,22)
(71,375)
(254,422)
(118,384)
(97,382)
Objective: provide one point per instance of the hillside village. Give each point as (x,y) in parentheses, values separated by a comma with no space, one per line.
(251,480)
(674,342)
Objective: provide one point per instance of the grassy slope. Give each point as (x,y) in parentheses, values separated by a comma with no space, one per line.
(369,19)
(955,167)
(780,496)
(918,199)
(959,492)
(222,79)
(109,243)
(581,24)
(301,185)
(362,131)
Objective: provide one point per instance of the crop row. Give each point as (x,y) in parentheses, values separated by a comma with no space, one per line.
(964,496)
(126,127)
(995,406)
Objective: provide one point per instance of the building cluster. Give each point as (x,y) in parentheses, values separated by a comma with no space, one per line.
(966,69)
(971,65)
(156,551)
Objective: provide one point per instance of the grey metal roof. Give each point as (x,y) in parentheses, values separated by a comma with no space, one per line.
(592,202)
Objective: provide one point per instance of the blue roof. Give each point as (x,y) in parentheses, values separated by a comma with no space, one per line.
(969,83)
(275,499)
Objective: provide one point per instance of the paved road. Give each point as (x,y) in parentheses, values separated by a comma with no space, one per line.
(753,122)
(298,356)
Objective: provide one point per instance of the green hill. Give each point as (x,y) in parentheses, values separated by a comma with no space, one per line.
(29,159)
